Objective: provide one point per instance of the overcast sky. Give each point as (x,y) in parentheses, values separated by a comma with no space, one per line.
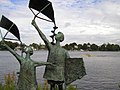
(82,21)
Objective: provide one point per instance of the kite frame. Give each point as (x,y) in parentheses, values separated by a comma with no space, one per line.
(35,15)
(10,39)
(8,31)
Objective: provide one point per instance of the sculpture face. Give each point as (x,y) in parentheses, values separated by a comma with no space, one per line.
(29,50)
(59,36)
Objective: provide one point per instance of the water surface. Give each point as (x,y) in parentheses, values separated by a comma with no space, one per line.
(103,68)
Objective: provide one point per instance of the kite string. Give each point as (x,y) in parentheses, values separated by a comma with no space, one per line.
(35,15)
(1,34)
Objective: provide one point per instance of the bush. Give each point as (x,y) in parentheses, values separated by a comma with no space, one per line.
(71,87)
(10,84)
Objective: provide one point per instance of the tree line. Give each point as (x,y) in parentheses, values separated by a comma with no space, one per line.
(71,46)
(92,47)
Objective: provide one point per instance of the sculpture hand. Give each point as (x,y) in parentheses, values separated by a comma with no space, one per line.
(33,22)
(53,65)
(3,42)
(48,63)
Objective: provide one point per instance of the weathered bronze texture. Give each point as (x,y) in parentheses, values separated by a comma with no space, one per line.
(27,74)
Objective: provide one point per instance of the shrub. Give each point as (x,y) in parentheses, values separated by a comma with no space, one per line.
(71,87)
(10,83)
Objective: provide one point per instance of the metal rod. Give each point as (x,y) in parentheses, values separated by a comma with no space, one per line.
(35,15)
(21,49)
(11,39)
(40,12)
(1,34)
(32,11)
(44,19)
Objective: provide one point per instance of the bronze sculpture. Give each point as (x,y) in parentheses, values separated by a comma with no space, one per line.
(57,70)
(57,55)
(27,75)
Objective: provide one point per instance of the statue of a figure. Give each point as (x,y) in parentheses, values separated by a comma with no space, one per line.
(56,56)
(27,75)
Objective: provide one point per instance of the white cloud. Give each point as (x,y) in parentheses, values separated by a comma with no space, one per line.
(6,2)
(77,19)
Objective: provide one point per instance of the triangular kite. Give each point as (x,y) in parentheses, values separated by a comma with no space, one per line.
(9,26)
(44,7)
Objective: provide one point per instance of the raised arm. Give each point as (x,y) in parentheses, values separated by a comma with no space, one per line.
(19,58)
(46,41)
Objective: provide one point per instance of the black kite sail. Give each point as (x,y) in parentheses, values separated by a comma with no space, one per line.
(10,26)
(44,7)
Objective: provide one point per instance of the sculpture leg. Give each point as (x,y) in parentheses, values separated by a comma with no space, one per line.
(60,87)
(52,86)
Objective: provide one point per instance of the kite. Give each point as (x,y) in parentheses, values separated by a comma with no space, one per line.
(10,27)
(74,69)
(44,7)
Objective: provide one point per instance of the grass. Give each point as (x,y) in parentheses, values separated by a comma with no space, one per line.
(10,83)
(71,87)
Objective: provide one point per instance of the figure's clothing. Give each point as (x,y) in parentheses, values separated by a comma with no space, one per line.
(27,77)
(57,56)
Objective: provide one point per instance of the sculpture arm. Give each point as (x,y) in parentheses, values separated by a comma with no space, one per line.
(12,51)
(41,63)
(46,41)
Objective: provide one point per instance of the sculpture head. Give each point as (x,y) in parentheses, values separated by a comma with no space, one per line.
(59,36)
(28,49)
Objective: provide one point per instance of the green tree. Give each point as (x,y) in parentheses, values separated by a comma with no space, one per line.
(102,47)
(35,46)
(67,47)
(73,46)
(13,45)
(79,46)
(94,47)
(109,47)
(85,46)
(115,47)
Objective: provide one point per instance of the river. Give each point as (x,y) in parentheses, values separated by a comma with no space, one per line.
(103,68)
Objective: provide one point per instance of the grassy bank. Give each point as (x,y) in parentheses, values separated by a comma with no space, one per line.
(10,84)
